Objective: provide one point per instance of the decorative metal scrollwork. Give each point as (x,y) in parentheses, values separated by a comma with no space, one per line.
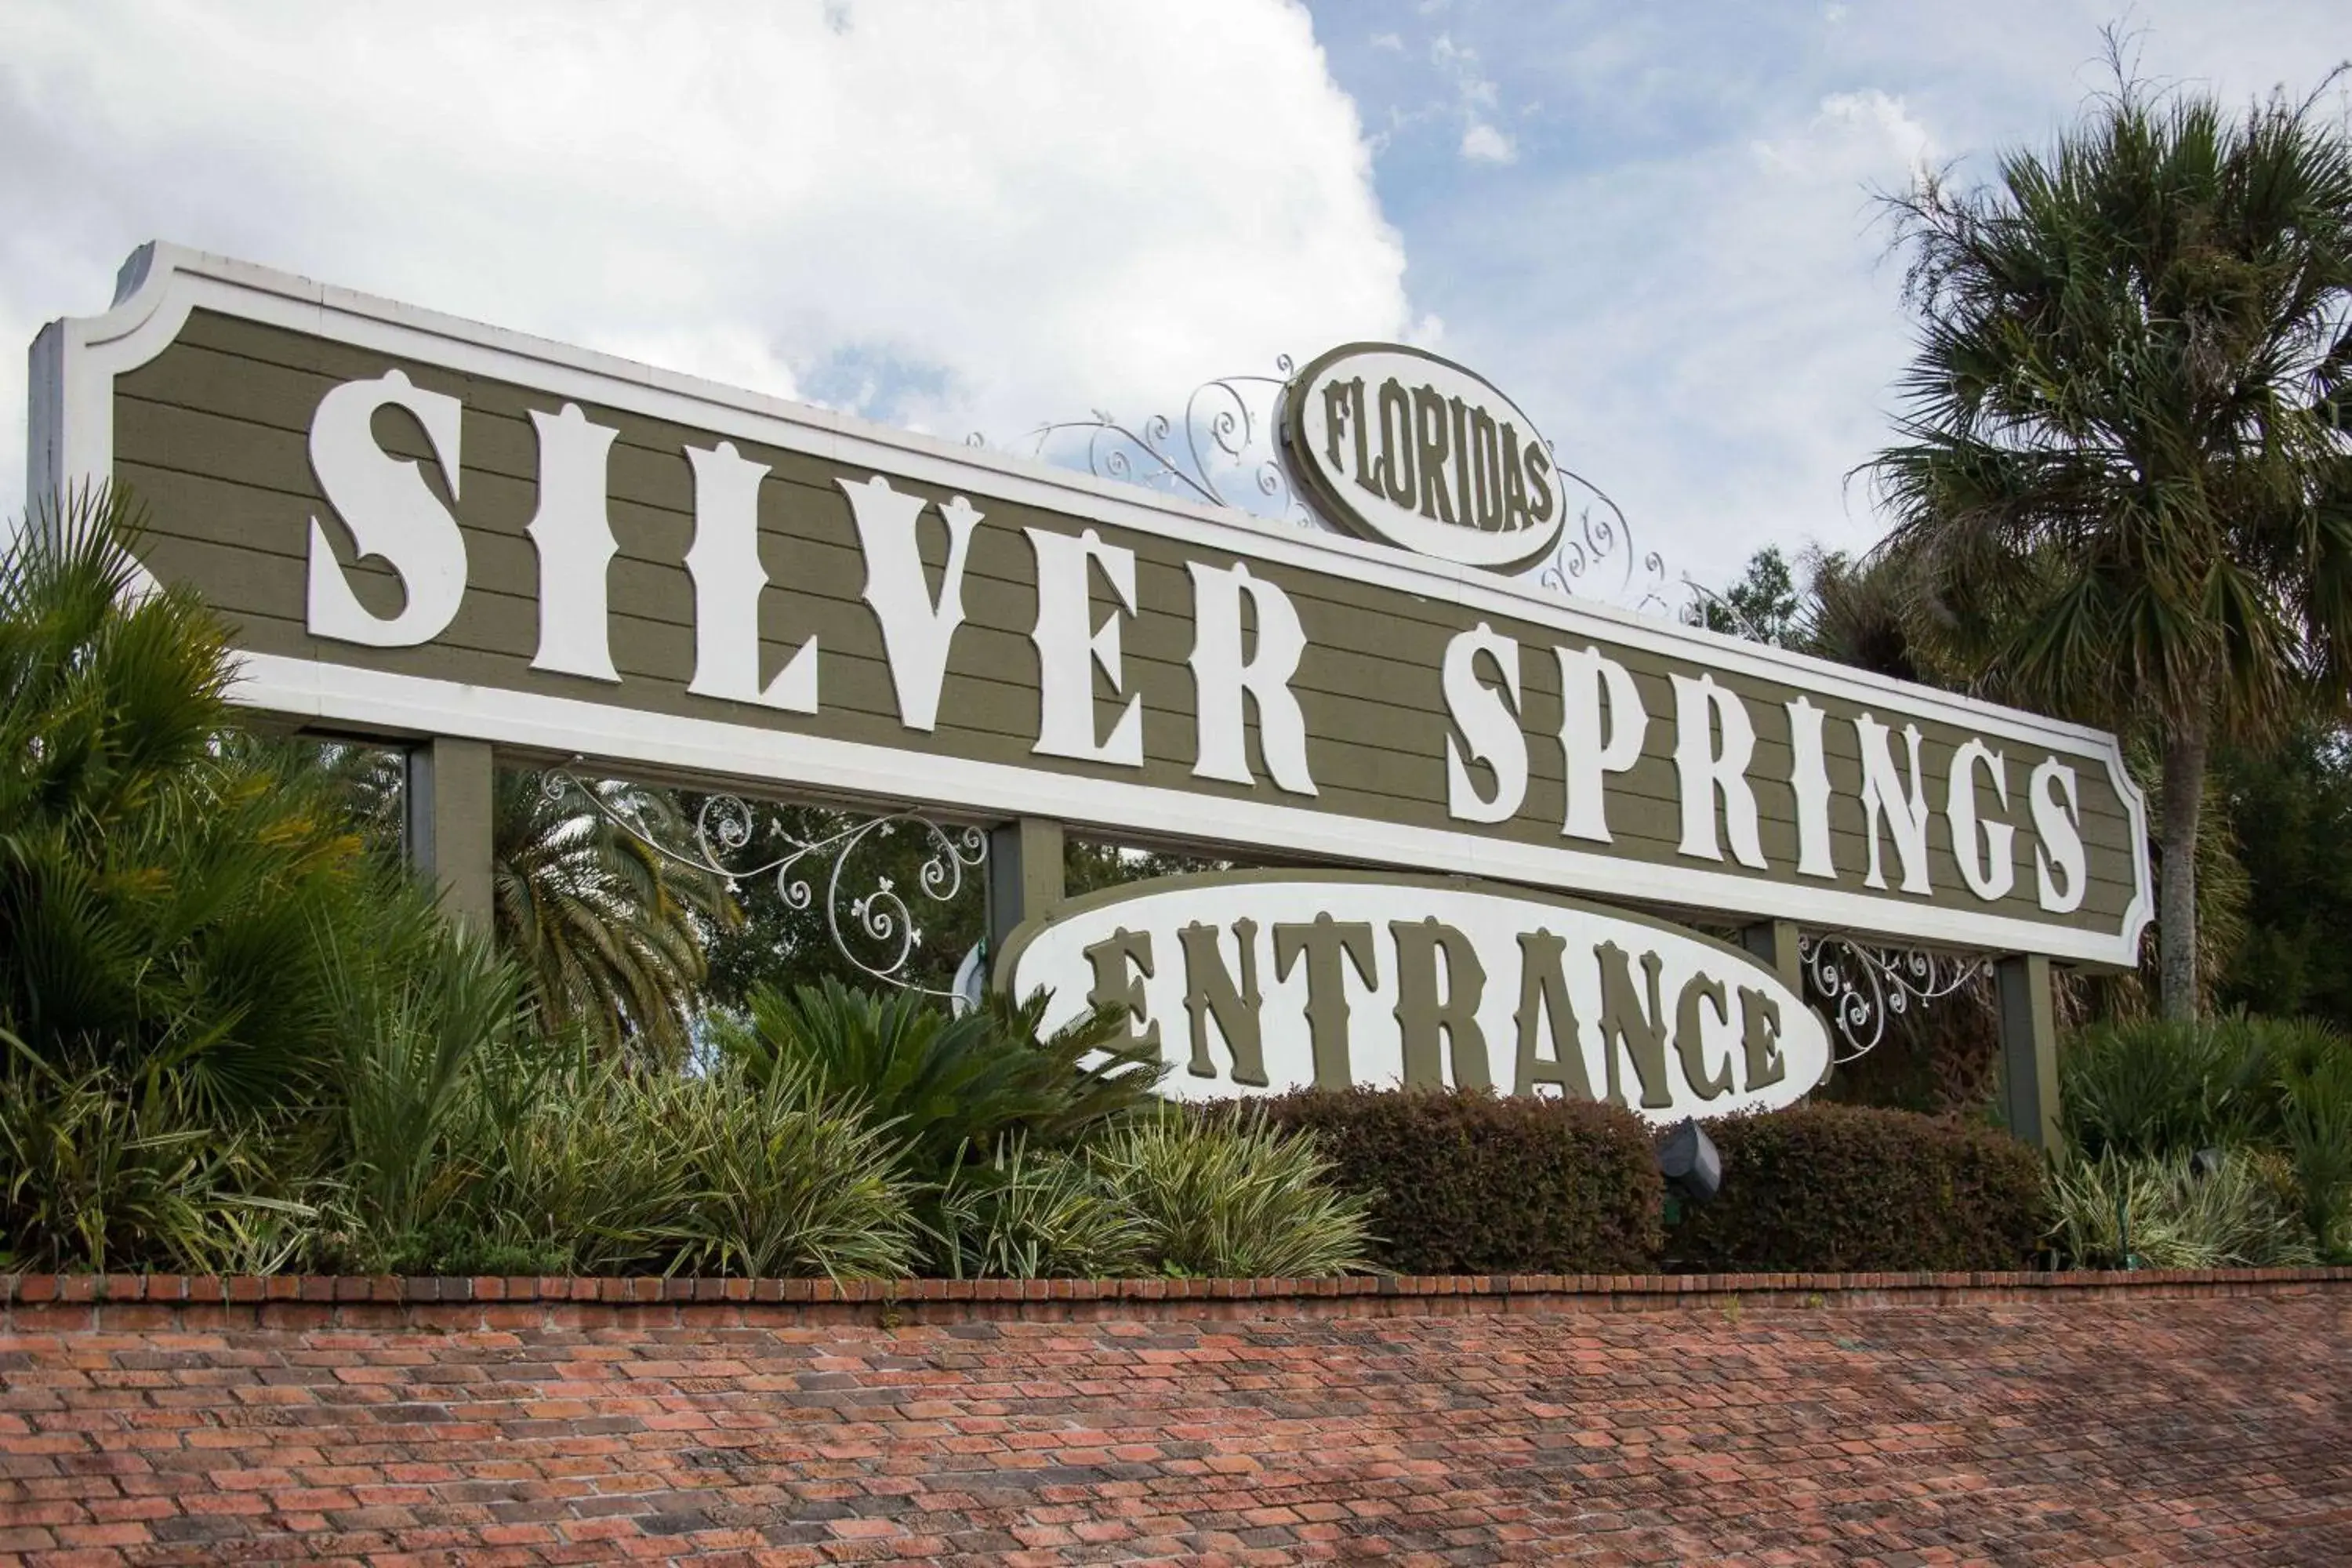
(1222,452)
(873,926)
(1598,540)
(1860,987)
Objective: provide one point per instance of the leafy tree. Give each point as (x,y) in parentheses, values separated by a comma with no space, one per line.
(2291,807)
(1764,606)
(2126,476)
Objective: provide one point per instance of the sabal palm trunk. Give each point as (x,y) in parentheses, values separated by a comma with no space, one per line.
(2176,909)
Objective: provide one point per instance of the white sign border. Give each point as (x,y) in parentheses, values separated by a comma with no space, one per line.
(74,363)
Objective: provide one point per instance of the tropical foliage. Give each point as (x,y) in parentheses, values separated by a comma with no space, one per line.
(608,930)
(162,888)
(2124,485)
(946,1085)
(2121,1211)
(1233,1196)
(2155,1093)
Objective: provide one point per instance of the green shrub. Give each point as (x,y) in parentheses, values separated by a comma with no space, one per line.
(412,1096)
(2119,1210)
(2164,1090)
(613,1170)
(945,1085)
(100,1174)
(162,877)
(1831,1187)
(785,1184)
(1479,1183)
(592,1160)
(1231,1195)
(2314,1113)
(1028,1213)
(2154,1087)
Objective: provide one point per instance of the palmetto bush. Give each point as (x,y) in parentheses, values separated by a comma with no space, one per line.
(945,1086)
(2147,1087)
(162,881)
(196,952)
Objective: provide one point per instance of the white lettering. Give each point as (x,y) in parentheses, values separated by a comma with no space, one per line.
(573,536)
(917,631)
(1221,679)
(728,582)
(1808,780)
(1700,706)
(391,511)
(1592,749)
(1070,647)
(1904,807)
(1982,850)
(1489,725)
(2058,824)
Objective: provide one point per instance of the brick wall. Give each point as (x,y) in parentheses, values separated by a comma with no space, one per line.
(34,1301)
(2060,1419)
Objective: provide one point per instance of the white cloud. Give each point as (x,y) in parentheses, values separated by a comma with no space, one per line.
(1482,143)
(952,219)
(1719,334)
(1475,96)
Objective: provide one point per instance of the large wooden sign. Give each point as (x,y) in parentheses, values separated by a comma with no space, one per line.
(423,526)
(1257,983)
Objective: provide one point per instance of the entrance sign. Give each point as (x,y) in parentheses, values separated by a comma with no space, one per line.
(1400,445)
(1258,983)
(419,526)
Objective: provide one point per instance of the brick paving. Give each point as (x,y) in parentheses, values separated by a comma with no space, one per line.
(2072,1430)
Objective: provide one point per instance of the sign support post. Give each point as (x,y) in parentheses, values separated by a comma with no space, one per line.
(450,785)
(1025,875)
(2029,1049)
(1775,943)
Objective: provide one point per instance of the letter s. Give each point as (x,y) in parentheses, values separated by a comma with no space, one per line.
(390,512)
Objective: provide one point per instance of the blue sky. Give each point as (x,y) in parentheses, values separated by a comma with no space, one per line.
(1653,223)
(1649,223)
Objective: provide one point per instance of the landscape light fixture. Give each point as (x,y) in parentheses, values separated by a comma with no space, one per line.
(1690,1163)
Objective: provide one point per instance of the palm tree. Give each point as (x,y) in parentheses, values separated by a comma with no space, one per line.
(609,931)
(612,935)
(2125,480)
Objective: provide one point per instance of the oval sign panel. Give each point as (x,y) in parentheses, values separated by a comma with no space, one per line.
(1255,983)
(1400,445)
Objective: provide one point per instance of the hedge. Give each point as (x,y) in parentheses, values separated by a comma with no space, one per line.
(1826,1188)
(1475,1183)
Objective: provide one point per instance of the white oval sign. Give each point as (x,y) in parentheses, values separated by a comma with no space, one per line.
(1255,983)
(1398,444)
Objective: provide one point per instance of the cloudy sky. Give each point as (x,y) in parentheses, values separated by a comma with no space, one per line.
(1651,224)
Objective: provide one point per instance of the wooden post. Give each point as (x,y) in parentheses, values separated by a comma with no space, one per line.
(1775,943)
(2029,1049)
(450,786)
(1025,875)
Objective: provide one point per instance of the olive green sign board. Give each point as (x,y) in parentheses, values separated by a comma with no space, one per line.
(1258,983)
(422,526)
